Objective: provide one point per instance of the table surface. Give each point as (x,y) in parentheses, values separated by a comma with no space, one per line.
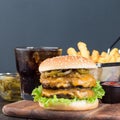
(114,110)
(4,117)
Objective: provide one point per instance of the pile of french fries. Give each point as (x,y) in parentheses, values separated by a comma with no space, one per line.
(95,55)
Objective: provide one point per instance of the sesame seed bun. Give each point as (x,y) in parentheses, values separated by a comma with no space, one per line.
(66,62)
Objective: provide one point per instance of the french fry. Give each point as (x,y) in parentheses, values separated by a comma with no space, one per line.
(83,49)
(107,58)
(118,59)
(104,57)
(71,51)
(114,51)
(103,54)
(81,45)
(95,55)
(101,60)
(112,59)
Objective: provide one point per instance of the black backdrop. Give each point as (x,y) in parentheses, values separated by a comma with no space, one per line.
(59,23)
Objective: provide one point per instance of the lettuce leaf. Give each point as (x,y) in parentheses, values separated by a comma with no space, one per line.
(37,95)
(99,91)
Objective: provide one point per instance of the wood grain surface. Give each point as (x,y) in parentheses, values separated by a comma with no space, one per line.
(30,109)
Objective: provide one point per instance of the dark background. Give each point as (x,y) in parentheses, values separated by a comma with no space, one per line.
(59,23)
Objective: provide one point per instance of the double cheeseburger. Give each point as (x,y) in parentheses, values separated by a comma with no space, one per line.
(67,84)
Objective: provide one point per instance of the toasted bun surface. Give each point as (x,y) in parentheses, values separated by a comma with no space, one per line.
(81,105)
(66,62)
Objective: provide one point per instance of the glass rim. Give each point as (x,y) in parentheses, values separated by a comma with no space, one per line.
(8,74)
(38,48)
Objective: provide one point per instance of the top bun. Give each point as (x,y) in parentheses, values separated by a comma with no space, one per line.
(66,62)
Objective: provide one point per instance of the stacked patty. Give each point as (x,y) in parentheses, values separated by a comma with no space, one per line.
(68,83)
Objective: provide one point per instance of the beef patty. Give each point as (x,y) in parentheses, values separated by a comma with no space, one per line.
(69,93)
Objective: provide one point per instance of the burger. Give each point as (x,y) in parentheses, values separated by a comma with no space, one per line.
(67,84)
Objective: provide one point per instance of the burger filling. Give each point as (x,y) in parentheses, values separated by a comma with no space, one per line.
(69,83)
(67,78)
(65,86)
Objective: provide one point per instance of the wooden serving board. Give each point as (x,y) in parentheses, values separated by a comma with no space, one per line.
(30,109)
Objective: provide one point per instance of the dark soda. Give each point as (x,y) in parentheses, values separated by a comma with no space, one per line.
(28,60)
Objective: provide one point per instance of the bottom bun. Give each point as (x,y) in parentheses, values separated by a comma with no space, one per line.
(79,105)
